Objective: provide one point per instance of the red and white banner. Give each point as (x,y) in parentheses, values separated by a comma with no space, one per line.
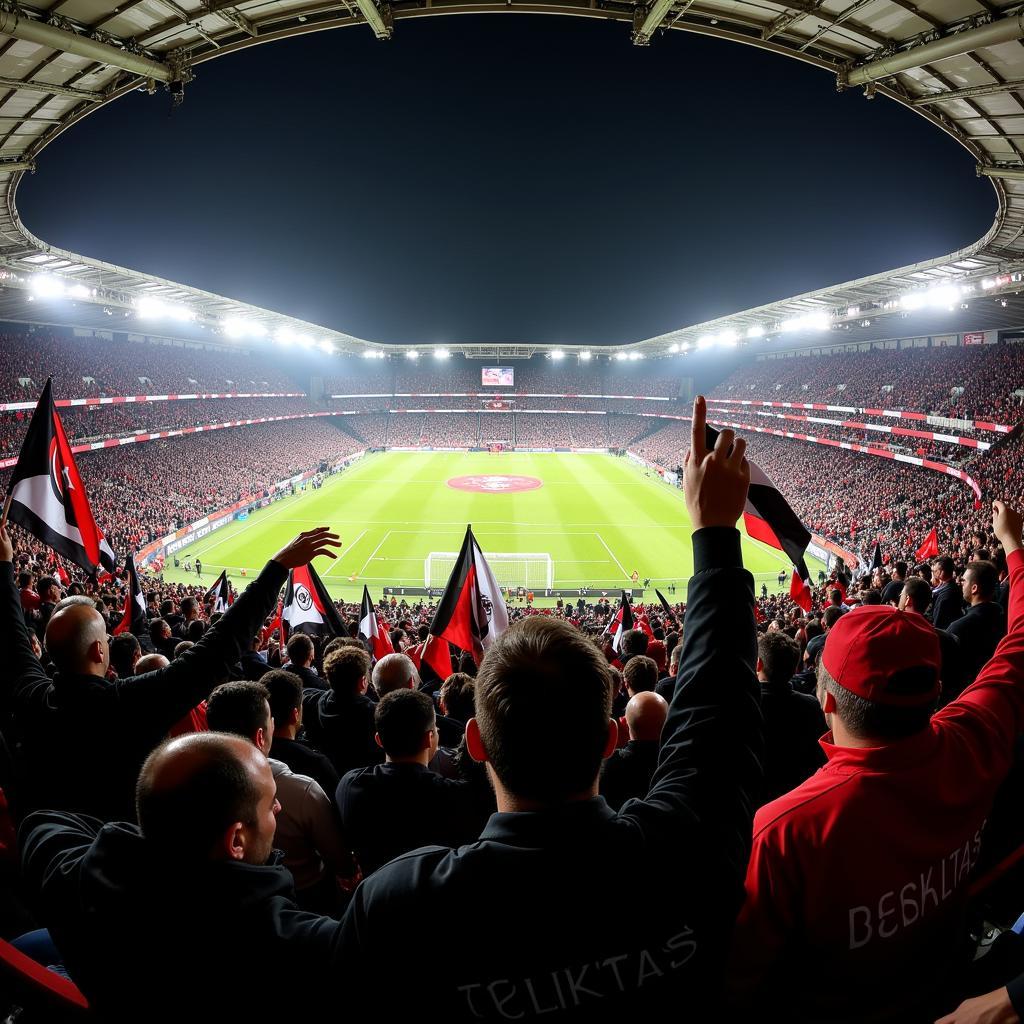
(900,414)
(67,403)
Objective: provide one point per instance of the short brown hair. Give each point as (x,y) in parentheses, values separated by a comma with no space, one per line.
(543,702)
(779,654)
(345,666)
(640,673)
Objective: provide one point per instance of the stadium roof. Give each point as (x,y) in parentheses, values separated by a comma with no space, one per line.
(958,63)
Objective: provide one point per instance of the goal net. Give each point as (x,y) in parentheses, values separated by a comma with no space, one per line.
(533,570)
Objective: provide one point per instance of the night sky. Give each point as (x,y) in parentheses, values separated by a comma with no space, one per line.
(507,178)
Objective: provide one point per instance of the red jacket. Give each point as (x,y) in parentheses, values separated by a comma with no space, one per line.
(856,884)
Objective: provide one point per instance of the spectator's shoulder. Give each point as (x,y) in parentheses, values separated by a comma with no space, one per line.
(801,806)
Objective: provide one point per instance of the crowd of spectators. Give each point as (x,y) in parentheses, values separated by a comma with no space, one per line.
(973,382)
(86,367)
(200,802)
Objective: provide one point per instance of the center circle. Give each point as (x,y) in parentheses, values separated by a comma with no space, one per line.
(494,483)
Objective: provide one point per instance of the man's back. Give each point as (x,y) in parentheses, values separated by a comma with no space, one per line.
(627,772)
(341,726)
(148,938)
(947,605)
(389,809)
(534,889)
(863,868)
(793,724)
(979,630)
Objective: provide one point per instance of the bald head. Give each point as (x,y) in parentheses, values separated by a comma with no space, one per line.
(395,672)
(645,716)
(76,637)
(150,663)
(192,789)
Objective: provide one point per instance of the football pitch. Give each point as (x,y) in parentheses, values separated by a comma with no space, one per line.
(598,517)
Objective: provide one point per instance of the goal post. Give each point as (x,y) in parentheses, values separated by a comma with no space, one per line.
(533,569)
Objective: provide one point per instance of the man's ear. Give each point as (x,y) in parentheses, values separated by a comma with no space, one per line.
(362,685)
(376,739)
(474,742)
(612,739)
(296,716)
(829,707)
(232,841)
(96,652)
(760,666)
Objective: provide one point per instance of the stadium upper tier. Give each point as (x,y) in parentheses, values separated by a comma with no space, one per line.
(958,64)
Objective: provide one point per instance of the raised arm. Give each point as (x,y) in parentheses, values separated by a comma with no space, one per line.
(701,796)
(167,694)
(989,714)
(23,680)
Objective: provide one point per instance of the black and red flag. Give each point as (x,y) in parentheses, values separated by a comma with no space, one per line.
(623,620)
(435,653)
(929,547)
(46,495)
(370,629)
(769,518)
(134,620)
(220,594)
(471,613)
(665,605)
(308,607)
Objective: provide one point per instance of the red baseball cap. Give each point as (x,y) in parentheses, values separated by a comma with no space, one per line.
(884,655)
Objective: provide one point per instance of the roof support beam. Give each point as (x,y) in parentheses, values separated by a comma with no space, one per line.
(1008,173)
(14,23)
(1004,30)
(378,18)
(647,20)
(971,90)
(6,166)
(50,89)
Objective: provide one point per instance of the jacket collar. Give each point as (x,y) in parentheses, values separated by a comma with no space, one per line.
(891,757)
(536,828)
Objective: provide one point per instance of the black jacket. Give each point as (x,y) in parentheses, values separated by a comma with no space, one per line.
(81,739)
(389,809)
(342,728)
(627,773)
(793,724)
(979,631)
(310,680)
(146,938)
(947,605)
(537,883)
(304,760)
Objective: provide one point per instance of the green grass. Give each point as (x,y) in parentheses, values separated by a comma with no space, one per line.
(598,516)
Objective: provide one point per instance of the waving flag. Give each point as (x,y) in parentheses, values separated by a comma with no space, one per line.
(220,594)
(876,558)
(800,587)
(929,548)
(46,495)
(665,605)
(623,621)
(370,629)
(434,653)
(308,607)
(471,613)
(134,620)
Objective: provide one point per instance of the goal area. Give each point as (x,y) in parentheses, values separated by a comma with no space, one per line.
(533,570)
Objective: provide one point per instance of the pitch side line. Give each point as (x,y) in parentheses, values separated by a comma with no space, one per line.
(373,553)
(341,555)
(254,522)
(614,559)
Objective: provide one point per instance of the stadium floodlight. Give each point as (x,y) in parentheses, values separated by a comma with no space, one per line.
(412,354)
(807,322)
(757,331)
(284,336)
(368,353)
(706,342)
(943,295)
(988,283)
(621,357)
(673,349)
(154,309)
(234,327)
(557,354)
(685,347)
(727,339)
(634,356)
(441,353)
(584,357)
(327,346)
(81,291)
(914,301)
(853,311)
(46,286)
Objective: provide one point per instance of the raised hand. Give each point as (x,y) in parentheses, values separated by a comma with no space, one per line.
(1006,525)
(715,483)
(6,545)
(307,546)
